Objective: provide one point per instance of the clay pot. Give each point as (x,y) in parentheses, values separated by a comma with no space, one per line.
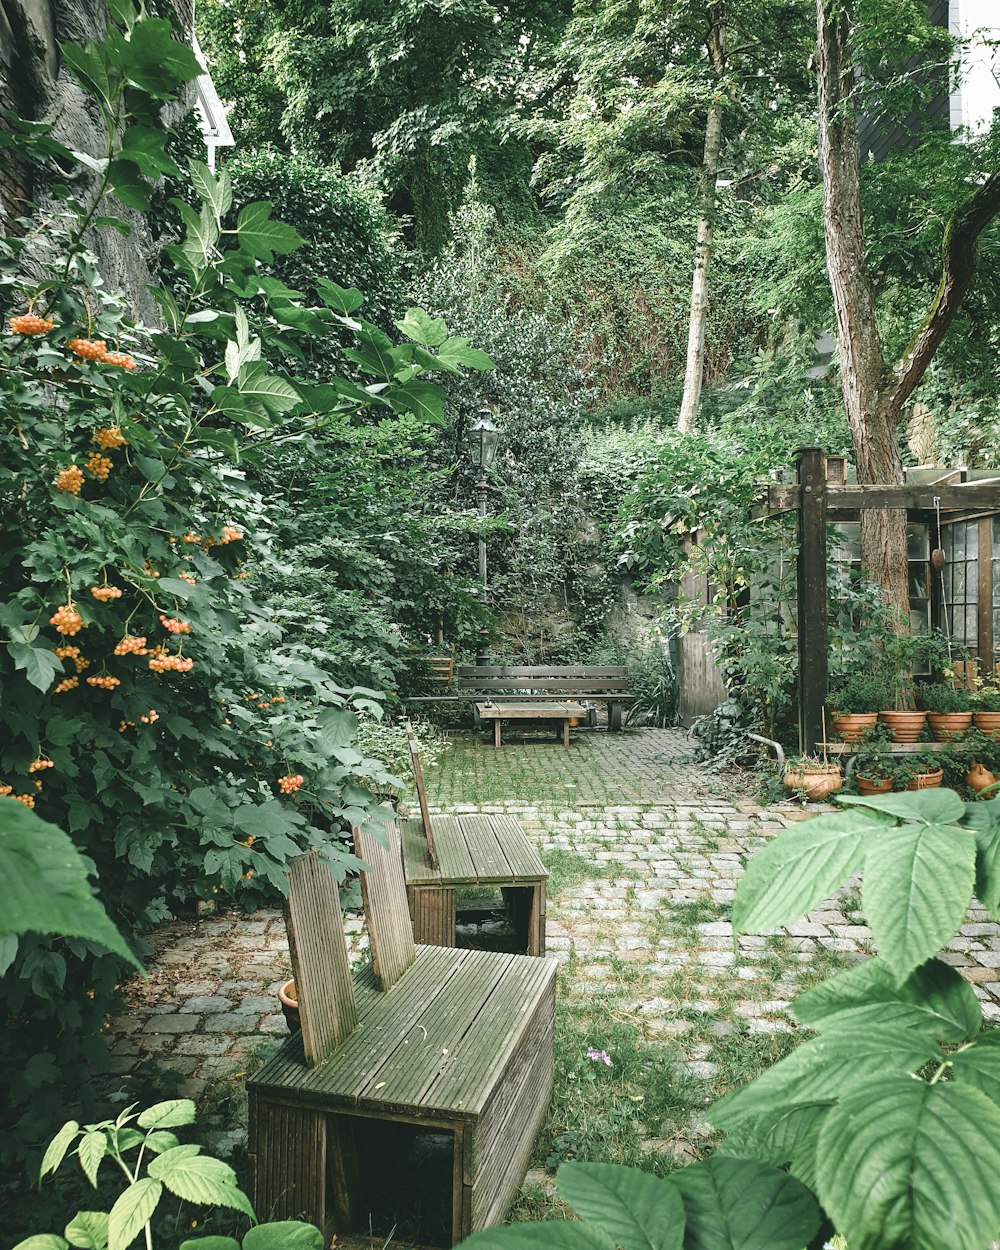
(815,780)
(926,781)
(945,726)
(289,1006)
(904,726)
(873,785)
(988,722)
(979,777)
(853,726)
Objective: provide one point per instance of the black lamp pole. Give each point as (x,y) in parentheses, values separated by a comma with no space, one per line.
(483,439)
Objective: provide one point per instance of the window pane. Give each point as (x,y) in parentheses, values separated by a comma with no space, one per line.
(917,542)
(972,539)
(919,581)
(847,541)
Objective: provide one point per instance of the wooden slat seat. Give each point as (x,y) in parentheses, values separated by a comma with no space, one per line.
(541,683)
(461,1043)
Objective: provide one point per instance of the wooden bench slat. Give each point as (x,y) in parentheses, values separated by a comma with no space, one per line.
(556,684)
(383,891)
(541,670)
(525,862)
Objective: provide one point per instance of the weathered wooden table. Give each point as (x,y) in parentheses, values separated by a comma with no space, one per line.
(563,712)
(473,850)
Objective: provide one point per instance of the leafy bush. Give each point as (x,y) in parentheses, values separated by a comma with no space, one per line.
(653,680)
(858,693)
(387,743)
(939,697)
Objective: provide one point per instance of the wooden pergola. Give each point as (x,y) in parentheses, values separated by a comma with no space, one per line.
(822,496)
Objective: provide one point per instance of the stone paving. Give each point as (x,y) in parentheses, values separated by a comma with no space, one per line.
(638,915)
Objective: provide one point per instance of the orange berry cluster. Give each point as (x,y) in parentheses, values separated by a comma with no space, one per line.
(5,790)
(230,534)
(151,717)
(110,437)
(186,577)
(132,644)
(291,783)
(27,799)
(29,323)
(36,766)
(174,626)
(103,593)
(248,841)
(163,662)
(73,653)
(99,466)
(88,349)
(120,359)
(68,683)
(69,480)
(105,683)
(66,620)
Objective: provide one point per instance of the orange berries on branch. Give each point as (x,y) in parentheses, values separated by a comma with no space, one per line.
(27,799)
(68,683)
(104,593)
(186,577)
(174,626)
(110,437)
(66,620)
(99,466)
(151,717)
(36,766)
(163,661)
(132,644)
(29,323)
(88,349)
(120,359)
(230,534)
(69,480)
(105,683)
(5,790)
(291,783)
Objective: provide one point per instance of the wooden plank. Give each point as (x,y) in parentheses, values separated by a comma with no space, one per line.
(853,499)
(558,685)
(319,957)
(543,670)
(530,711)
(525,862)
(433,913)
(416,864)
(287,1147)
(387,914)
(812,599)
(456,866)
(418,777)
(489,861)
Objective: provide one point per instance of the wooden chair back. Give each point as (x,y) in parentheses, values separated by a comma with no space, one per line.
(320,965)
(387,913)
(418,777)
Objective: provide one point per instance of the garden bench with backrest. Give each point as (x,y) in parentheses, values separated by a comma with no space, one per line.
(425,1045)
(546,683)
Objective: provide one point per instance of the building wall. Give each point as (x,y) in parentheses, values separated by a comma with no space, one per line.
(977,95)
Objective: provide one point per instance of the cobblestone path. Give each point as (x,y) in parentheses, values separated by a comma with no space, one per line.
(638,912)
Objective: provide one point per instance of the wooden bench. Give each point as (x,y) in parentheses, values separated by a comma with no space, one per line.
(552,683)
(457,852)
(424,1045)
(566,715)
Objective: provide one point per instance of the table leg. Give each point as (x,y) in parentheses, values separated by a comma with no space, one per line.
(565,725)
(496,732)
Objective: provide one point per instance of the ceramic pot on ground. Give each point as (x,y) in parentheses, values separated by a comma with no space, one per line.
(988,722)
(873,785)
(852,726)
(289,1006)
(904,726)
(979,777)
(945,726)
(815,780)
(926,781)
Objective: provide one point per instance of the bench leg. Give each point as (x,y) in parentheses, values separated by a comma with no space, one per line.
(565,731)
(496,732)
(615,717)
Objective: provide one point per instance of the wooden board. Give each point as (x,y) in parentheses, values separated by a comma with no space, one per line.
(386,911)
(542,670)
(531,711)
(558,685)
(509,858)
(418,777)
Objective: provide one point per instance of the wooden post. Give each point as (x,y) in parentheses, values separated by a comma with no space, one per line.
(812,607)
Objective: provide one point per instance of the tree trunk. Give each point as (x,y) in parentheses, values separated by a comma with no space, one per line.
(687,421)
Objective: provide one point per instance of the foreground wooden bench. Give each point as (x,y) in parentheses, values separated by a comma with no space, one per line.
(457,852)
(425,1040)
(541,683)
(566,716)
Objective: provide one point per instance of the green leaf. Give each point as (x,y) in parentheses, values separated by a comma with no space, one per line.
(170,1114)
(87,68)
(344,301)
(199,1178)
(548,1235)
(284,1235)
(158,1141)
(422,328)
(132,1211)
(636,1210)
(824,1068)
(92,1149)
(42,1241)
(800,868)
(57,1147)
(157,62)
(742,1204)
(979,1065)
(40,666)
(373,358)
(928,807)
(262,237)
(424,399)
(88,1230)
(8,951)
(903,1164)
(918,883)
(775,1136)
(211,1243)
(46,888)
(935,1000)
(273,393)
(144,146)
(129,185)
(458,352)
(215,189)
(988,865)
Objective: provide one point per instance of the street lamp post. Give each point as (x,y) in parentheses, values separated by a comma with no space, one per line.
(483,439)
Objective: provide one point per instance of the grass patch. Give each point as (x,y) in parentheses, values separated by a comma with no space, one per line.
(568,868)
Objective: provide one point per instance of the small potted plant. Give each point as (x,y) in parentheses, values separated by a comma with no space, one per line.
(874,767)
(919,772)
(855,702)
(949,710)
(977,756)
(813,777)
(986,705)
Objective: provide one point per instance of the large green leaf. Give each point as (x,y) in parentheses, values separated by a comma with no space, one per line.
(424,399)
(979,1065)
(824,1068)
(928,807)
(988,864)
(88,1230)
(92,1149)
(636,1210)
(131,1212)
(43,1241)
(775,1136)
(262,237)
(284,1235)
(918,882)
(548,1235)
(57,1147)
(170,1114)
(45,886)
(344,300)
(215,189)
(39,664)
(199,1178)
(157,62)
(742,1204)
(935,1000)
(458,352)
(800,868)
(422,328)
(275,394)
(904,1165)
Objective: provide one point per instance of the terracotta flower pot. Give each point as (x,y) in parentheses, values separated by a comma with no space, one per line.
(904,726)
(289,1006)
(945,726)
(816,781)
(873,785)
(926,781)
(988,722)
(852,726)
(979,777)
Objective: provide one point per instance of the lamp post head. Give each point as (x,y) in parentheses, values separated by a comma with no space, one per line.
(483,439)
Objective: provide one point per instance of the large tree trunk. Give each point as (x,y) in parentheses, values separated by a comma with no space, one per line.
(694,370)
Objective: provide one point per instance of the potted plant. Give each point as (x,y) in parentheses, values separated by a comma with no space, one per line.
(813,777)
(986,708)
(919,772)
(855,702)
(874,767)
(949,710)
